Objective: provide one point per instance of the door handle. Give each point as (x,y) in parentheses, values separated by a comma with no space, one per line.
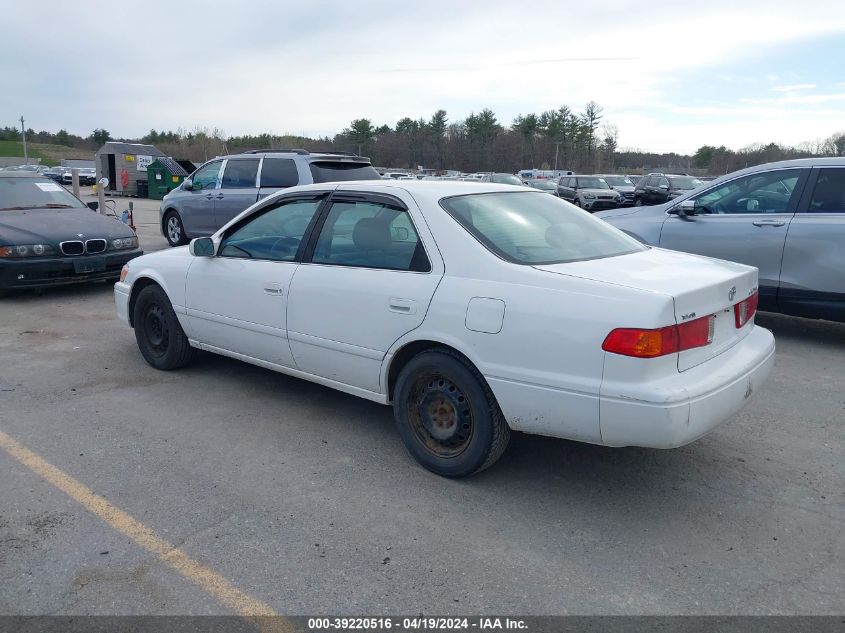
(402,306)
(220,196)
(209,197)
(271,288)
(769,222)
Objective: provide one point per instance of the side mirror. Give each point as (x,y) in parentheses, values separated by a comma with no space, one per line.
(685,208)
(93,205)
(188,184)
(201,247)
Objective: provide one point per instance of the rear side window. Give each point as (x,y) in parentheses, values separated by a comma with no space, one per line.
(370,235)
(829,192)
(331,171)
(240,174)
(279,172)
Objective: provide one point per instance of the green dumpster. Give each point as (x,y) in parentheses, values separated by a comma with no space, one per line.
(163,176)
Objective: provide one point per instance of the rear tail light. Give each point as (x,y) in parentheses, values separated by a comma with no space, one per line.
(744,310)
(666,340)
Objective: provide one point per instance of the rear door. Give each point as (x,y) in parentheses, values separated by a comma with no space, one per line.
(812,280)
(366,280)
(743,220)
(238,188)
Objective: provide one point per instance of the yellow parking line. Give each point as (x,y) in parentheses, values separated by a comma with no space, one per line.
(205,578)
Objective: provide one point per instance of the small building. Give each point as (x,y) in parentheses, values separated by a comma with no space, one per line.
(163,176)
(124,164)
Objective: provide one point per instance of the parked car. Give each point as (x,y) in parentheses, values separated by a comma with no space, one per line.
(55,173)
(589,192)
(623,185)
(502,179)
(549,186)
(786,218)
(657,188)
(472,308)
(222,188)
(87,176)
(49,237)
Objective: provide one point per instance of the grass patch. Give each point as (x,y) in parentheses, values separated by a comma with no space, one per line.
(49,154)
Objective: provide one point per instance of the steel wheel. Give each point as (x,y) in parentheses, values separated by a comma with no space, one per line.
(440,415)
(160,337)
(156,329)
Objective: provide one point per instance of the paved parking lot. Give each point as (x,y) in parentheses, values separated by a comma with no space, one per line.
(303,499)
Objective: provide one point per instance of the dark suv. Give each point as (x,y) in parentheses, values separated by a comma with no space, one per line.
(658,188)
(223,187)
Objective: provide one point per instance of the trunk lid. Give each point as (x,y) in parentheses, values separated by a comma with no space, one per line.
(700,286)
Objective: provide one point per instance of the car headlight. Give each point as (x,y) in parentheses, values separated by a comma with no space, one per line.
(589,195)
(27,250)
(122,243)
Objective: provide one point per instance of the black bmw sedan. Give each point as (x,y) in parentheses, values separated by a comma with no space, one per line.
(49,237)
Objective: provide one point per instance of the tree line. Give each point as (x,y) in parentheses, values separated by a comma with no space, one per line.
(554,139)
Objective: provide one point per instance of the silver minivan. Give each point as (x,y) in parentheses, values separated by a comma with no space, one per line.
(785,218)
(223,187)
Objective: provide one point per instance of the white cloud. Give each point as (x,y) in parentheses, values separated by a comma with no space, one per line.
(793,87)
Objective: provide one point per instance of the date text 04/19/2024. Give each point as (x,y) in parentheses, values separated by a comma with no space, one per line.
(417,623)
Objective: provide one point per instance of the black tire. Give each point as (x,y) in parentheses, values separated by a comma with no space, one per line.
(638,202)
(447,416)
(160,338)
(174,230)
(577,203)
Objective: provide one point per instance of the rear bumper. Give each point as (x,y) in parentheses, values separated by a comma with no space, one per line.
(674,411)
(59,271)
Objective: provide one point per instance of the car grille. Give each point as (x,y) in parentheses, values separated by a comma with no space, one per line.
(75,247)
(95,246)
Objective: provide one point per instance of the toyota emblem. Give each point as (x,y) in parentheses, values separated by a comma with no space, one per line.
(731,293)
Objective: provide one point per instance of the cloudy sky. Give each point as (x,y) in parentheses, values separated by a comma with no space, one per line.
(670,75)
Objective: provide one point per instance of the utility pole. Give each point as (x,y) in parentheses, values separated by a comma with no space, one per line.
(23,135)
(557,147)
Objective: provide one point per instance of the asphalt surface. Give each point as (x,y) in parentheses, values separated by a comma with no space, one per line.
(304,498)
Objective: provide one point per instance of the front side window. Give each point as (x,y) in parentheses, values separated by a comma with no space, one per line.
(370,235)
(767,192)
(279,172)
(240,173)
(829,192)
(536,228)
(272,235)
(206,176)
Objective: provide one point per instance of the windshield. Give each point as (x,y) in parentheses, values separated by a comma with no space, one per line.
(618,181)
(684,182)
(505,179)
(592,182)
(532,228)
(330,171)
(30,193)
(544,184)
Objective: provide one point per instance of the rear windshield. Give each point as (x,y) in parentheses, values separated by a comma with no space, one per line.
(33,193)
(505,179)
(331,171)
(618,181)
(536,228)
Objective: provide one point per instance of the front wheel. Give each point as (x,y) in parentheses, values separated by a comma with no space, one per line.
(447,416)
(638,202)
(160,337)
(174,231)
(577,203)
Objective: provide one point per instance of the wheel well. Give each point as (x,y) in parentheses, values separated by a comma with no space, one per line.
(164,215)
(406,353)
(137,287)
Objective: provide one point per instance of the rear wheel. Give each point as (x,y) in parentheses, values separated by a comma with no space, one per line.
(173,229)
(160,337)
(447,416)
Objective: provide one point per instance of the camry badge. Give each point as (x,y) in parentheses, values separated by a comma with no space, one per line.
(731,292)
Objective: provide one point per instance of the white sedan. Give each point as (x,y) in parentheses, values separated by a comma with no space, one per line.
(473,309)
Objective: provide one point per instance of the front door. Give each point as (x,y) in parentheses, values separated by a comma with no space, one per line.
(237,299)
(369,281)
(196,206)
(238,189)
(743,220)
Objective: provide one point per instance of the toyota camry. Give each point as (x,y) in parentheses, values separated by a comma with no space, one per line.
(473,309)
